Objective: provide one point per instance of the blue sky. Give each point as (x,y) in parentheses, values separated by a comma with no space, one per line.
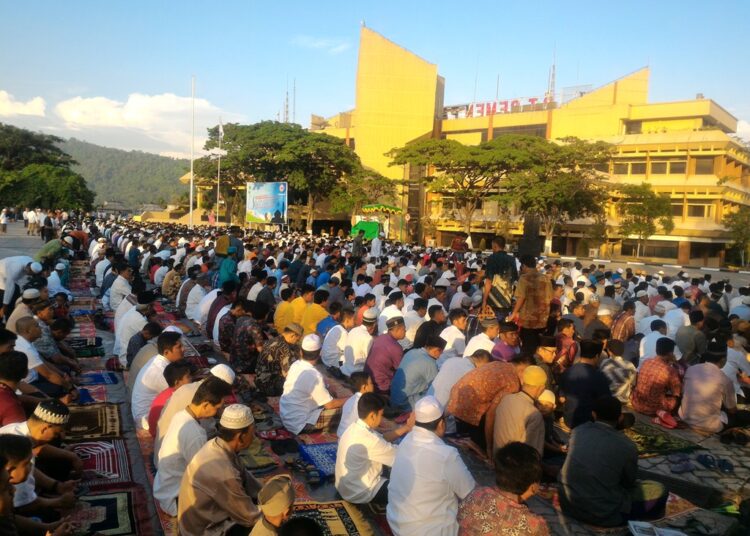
(118,73)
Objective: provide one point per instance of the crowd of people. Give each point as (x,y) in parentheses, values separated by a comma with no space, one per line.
(529,362)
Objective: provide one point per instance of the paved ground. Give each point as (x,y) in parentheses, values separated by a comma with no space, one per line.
(16,242)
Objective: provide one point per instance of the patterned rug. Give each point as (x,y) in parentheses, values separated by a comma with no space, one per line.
(655,441)
(318,438)
(98,378)
(104,462)
(338,518)
(93,394)
(95,421)
(322,456)
(120,511)
(80,342)
(90,364)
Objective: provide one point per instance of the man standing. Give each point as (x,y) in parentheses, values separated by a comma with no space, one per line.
(14,271)
(428,478)
(502,265)
(531,310)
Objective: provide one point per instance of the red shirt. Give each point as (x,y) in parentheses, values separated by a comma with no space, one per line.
(11,410)
(155,412)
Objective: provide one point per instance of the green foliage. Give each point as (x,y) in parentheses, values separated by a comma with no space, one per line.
(361,188)
(738,225)
(129,177)
(45,185)
(20,147)
(642,209)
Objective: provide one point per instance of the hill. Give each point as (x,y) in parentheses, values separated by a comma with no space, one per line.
(130,177)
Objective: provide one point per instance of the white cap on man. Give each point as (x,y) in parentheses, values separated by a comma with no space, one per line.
(223,372)
(427,410)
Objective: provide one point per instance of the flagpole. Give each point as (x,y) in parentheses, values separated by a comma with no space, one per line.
(218,175)
(192,149)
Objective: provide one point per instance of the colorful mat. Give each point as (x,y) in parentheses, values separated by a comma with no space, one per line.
(146,443)
(121,511)
(80,342)
(654,441)
(98,378)
(93,394)
(104,462)
(322,456)
(337,518)
(318,438)
(95,421)
(91,364)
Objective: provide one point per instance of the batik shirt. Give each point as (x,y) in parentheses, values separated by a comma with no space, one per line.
(489,511)
(274,362)
(248,337)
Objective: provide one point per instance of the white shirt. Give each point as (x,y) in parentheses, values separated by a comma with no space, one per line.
(647,348)
(644,326)
(192,306)
(480,341)
(204,306)
(183,439)
(736,362)
(215,333)
(376,247)
(125,306)
(360,457)
(32,356)
(412,321)
(132,322)
(148,384)
(675,319)
(641,311)
(358,343)
(428,478)
(11,274)
(101,266)
(119,290)
(160,274)
(25,491)
(349,414)
(455,344)
(389,312)
(304,396)
(456,300)
(252,294)
(452,370)
(334,345)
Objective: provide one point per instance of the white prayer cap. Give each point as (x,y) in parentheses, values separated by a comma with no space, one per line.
(36,267)
(427,410)
(173,329)
(641,294)
(223,372)
(582,279)
(69,240)
(547,397)
(311,343)
(101,239)
(52,412)
(620,270)
(603,311)
(237,417)
(442,282)
(370,316)
(30,294)
(659,308)
(59,266)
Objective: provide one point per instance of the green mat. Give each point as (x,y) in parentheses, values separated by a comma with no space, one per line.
(655,441)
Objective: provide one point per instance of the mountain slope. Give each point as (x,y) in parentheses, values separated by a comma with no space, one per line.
(130,177)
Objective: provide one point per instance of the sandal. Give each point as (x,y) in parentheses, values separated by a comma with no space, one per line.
(706,460)
(684,467)
(273,435)
(678,457)
(725,466)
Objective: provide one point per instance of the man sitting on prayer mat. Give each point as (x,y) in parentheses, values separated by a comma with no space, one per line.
(132,322)
(277,356)
(306,406)
(177,374)
(657,385)
(362,452)
(428,478)
(360,383)
(184,439)
(602,489)
(43,427)
(217,492)
(149,332)
(415,373)
(517,417)
(150,381)
(385,354)
(583,383)
(275,500)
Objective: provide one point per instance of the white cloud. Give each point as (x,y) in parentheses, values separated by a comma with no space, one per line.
(331,46)
(743,129)
(10,107)
(164,119)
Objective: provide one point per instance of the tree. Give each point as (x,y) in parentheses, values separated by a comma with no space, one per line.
(20,147)
(470,173)
(738,225)
(560,185)
(44,185)
(641,209)
(359,189)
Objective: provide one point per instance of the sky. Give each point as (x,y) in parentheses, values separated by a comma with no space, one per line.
(119,73)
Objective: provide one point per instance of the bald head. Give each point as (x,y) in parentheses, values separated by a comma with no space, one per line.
(27,328)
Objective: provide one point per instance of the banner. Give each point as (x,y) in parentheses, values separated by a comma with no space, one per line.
(266,202)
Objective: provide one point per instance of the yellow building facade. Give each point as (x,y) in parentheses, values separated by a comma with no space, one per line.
(684,149)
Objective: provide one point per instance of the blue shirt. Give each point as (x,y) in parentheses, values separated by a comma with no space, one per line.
(743,311)
(322,279)
(324,326)
(412,379)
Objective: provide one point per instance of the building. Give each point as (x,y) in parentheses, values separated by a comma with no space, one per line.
(684,149)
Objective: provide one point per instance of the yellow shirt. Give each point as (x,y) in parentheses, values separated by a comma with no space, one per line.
(312,315)
(298,308)
(284,315)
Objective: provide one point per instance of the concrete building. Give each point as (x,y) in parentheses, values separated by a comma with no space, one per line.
(684,149)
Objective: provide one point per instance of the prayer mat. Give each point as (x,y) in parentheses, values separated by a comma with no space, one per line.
(199,362)
(98,378)
(89,351)
(376,513)
(104,462)
(95,421)
(90,364)
(318,438)
(322,456)
(79,342)
(121,511)
(258,460)
(337,518)
(146,443)
(92,395)
(654,441)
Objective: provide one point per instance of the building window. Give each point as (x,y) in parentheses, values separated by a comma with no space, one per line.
(704,166)
(620,168)
(633,127)
(529,130)
(677,167)
(658,168)
(638,168)
(677,210)
(700,210)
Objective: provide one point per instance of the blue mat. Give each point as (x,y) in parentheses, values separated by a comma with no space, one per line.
(322,456)
(98,378)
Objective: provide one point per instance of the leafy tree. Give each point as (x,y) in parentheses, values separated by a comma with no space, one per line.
(470,173)
(359,189)
(560,185)
(45,185)
(20,147)
(738,225)
(641,209)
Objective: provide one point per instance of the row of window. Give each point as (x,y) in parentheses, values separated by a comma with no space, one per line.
(662,166)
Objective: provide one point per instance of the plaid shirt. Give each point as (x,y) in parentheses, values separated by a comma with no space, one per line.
(657,387)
